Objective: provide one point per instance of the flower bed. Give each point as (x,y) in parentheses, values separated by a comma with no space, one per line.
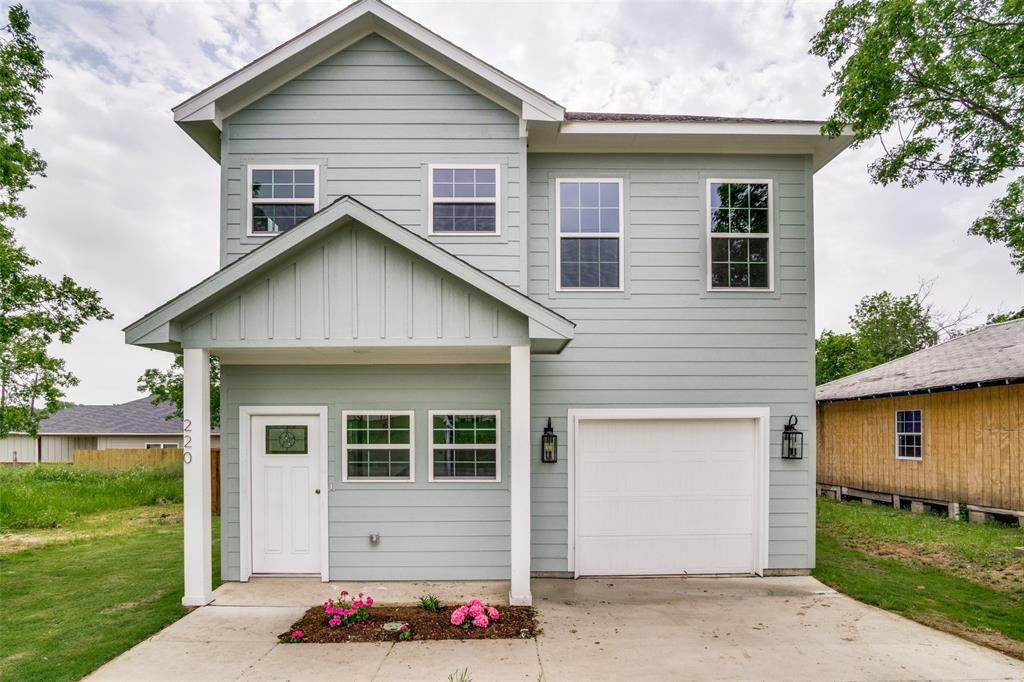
(351,619)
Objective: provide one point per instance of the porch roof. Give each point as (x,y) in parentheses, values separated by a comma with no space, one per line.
(165,327)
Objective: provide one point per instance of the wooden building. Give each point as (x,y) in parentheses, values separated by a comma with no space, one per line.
(943,426)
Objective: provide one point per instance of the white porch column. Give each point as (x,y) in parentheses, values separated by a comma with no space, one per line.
(519,476)
(198,538)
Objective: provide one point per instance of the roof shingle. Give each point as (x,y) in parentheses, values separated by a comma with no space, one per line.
(135,417)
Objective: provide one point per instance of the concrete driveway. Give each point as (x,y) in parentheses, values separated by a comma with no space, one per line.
(612,629)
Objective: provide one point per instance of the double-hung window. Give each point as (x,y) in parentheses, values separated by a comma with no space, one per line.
(377,446)
(464,200)
(161,446)
(740,234)
(909,434)
(281,197)
(464,446)
(589,234)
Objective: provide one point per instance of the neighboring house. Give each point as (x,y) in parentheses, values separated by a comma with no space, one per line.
(944,425)
(424,262)
(135,424)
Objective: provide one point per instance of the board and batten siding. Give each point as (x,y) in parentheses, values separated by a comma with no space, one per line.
(428,531)
(373,116)
(18,448)
(666,341)
(353,287)
(973,446)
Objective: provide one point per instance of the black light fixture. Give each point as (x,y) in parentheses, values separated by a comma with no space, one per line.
(792,440)
(549,445)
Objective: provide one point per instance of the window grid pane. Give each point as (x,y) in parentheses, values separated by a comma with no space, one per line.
(909,434)
(478,183)
(464,446)
(465,217)
(739,262)
(589,207)
(369,441)
(465,463)
(589,262)
(390,463)
(273,218)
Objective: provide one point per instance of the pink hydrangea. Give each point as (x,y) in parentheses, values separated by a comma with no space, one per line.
(459,616)
(357,604)
(481,621)
(369,601)
(493,613)
(476,610)
(474,602)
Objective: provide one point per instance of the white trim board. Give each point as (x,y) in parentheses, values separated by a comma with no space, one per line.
(245,414)
(762,415)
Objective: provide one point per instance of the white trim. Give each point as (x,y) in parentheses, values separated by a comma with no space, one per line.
(620,235)
(250,199)
(464,446)
(709,235)
(496,200)
(898,433)
(195,440)
(245,415)
(520,456)
(762,415)
(345,414)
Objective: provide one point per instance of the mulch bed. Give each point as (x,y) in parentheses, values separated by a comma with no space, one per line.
(517,622)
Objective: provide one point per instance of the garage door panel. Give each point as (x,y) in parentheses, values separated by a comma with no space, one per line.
(658,497)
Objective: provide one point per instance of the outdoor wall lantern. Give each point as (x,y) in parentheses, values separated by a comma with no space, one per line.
(549,445)
(792,440)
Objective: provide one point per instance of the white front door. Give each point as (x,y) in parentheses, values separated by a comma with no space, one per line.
(286,453)
(665,496)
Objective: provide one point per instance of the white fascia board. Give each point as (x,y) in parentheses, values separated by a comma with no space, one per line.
(334,34)
(810,128)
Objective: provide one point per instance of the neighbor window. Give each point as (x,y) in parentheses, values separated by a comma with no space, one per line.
(464,446)
(161,446)
(377,446)
(281,197)
(909,434)
(740,233)
(464,200)
(589,226)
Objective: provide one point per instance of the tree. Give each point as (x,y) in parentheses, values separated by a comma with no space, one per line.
(35,312)
(169,386)
(941,84)
(836,355)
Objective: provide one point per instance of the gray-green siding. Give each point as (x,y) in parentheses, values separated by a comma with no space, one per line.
(373,117)
(666,341)
(429,531)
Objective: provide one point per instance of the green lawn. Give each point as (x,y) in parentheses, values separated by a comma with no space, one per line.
(97,585)
(960,577)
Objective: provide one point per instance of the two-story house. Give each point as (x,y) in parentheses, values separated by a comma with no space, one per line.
(425,263)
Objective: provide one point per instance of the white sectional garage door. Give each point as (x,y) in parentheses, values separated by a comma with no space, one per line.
(666,496)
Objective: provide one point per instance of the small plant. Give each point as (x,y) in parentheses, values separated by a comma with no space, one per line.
(430,602)
(345,611)
(460,676)
(297,636)
(399,628)
(404,632)
(475,613)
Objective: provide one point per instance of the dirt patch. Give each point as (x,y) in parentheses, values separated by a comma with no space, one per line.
(517,622)
(90,527)
(990,638)
(1004,573)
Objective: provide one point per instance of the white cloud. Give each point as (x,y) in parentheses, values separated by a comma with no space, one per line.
(130,203)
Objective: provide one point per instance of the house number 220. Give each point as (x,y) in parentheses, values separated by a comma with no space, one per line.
(187,440)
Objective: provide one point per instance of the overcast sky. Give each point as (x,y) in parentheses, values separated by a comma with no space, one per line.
(130,202)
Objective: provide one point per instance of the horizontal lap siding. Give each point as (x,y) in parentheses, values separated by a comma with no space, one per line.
(666,342)
(439,531)
(373,116)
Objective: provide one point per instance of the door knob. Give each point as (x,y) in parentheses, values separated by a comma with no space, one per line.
(318,491)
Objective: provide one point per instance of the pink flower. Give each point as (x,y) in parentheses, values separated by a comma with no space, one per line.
(458,617)
(493,613)
(357,604)
(474,602)
(344,593)
(481,621)
(369,601)
(297,634)
(334,622)
(403,628)
(476,610)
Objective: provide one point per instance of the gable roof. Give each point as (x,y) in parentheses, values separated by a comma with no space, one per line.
(138,417)
(991,355)
(201,115)
(161,328)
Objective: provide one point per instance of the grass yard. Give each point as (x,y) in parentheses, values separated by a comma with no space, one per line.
(110,575)
(963,578)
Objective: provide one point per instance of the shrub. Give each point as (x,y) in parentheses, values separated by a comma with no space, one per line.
(345,611)
(430,602)
(475,613)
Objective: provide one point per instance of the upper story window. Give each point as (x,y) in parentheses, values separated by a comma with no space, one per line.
(740,234)
(588,217)
(281,197)
(909,432)
(464,200)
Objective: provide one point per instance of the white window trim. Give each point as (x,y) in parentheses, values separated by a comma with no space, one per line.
(621,235)
(465,446)
(464,200)
(162,446)
(741,235)
(250,199)
(896,438)
(345,414)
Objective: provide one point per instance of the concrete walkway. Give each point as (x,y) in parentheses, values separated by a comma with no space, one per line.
(612,629)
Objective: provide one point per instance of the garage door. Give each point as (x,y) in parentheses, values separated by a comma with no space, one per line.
(665,496)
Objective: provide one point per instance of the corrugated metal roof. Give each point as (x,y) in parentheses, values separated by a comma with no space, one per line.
(135,417)
(682,118)
(991,354)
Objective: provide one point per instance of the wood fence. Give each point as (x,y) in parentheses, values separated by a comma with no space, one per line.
(148,458)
